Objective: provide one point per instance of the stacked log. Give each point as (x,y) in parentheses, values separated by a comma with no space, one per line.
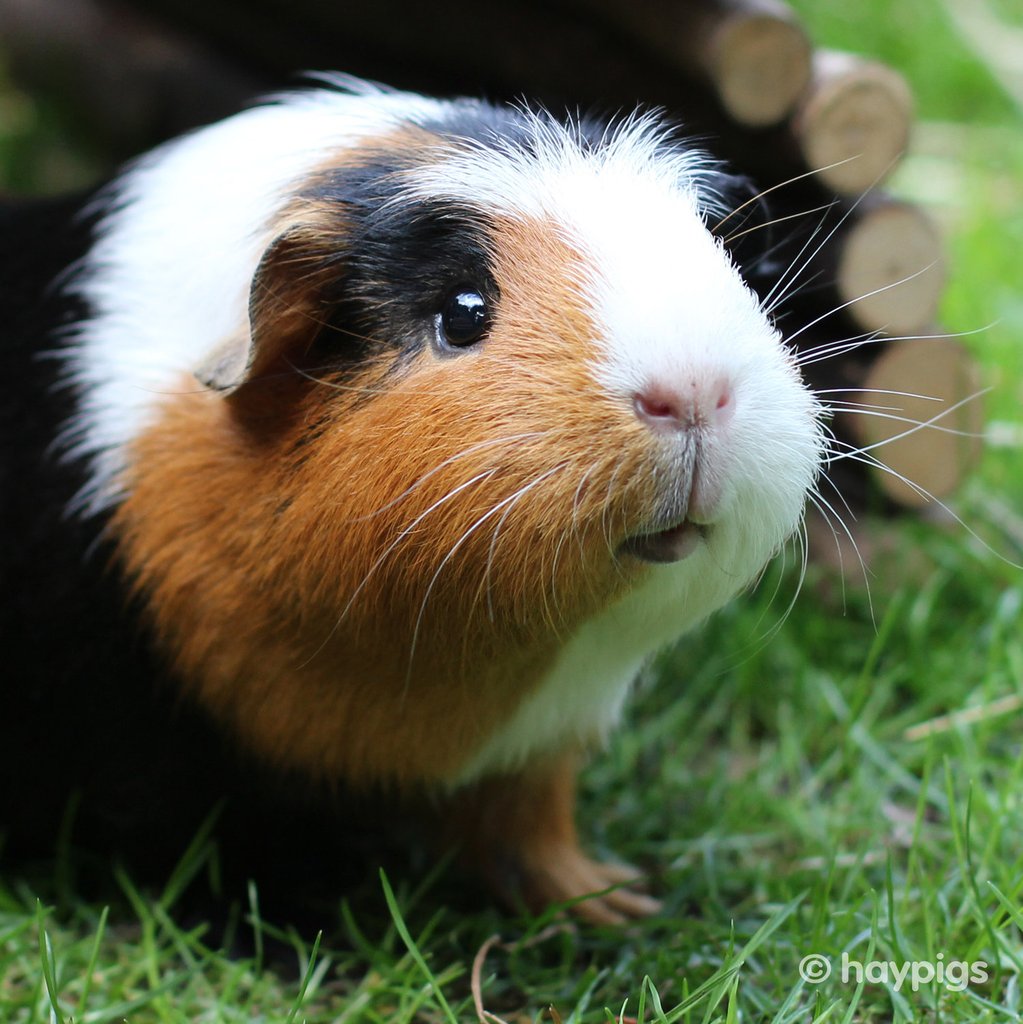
(818,131)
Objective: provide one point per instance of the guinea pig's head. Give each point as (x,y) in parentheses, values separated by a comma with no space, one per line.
(498,378)
(510,377)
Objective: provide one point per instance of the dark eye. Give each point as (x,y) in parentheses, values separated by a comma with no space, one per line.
(464,317)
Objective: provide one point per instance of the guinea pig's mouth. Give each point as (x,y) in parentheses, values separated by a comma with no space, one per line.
(670,545)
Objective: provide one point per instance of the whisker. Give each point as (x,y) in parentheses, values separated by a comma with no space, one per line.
(799,538)
(787,290)
(855,409)
(814,500)
(860,455)
(512,500)
(454,493)
(875,391)
(925,424)
(782,287)
(834,348)
(777,220)
(854,454)
(450,460)
(373,568)
(488,569)
(576,499)
(819,500)
(840,346)
(605,526)
(305,314)
(774,188)
(859,298)
(334,385)
(558,548)
(831,439)
(774,596)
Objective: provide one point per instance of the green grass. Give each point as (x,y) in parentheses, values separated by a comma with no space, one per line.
(800,793)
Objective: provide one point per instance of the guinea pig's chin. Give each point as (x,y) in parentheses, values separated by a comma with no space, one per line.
(670,545)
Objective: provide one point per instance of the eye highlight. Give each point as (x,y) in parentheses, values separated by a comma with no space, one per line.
(464,317)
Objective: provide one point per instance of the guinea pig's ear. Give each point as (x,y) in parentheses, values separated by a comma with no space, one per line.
(284,307)
(746,225)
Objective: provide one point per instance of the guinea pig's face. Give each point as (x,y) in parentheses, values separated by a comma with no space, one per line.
(500,419)
(534,378)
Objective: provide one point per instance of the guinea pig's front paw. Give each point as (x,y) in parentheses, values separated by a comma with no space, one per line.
(518,831)
(599,892)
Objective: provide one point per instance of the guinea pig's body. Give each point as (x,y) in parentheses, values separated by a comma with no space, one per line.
(394,436)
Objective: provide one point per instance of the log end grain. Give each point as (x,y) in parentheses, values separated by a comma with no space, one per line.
(854,122)
(939,382)
(891,269)
(760,66)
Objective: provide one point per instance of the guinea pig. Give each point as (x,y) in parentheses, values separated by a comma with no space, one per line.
(390,437)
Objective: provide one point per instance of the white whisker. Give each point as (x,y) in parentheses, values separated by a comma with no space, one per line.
(472,449)
(836,348)
(854,409)
(875,391)
(859,298)
(782,288)
(774,188)
(927,424)
(858,455)
(823,504)
(454,492)
(777,220)
(511,500)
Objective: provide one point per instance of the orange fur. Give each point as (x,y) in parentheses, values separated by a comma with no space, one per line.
(337,568)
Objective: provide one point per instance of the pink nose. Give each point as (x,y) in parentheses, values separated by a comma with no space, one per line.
(675,407)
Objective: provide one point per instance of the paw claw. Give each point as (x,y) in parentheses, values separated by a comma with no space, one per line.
(600,893)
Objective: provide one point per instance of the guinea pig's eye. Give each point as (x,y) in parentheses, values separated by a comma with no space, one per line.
(464,317)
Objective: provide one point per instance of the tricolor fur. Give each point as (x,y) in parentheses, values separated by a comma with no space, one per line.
(377,560)
(370,546)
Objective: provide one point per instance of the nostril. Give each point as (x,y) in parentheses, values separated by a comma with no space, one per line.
(659,409)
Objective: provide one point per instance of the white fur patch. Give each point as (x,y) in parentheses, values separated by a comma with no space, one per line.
(169,276)
(535,181)
(581,698)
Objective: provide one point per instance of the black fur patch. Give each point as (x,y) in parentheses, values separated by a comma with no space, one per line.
(746,228)
(97,748)
(85,708)
(397,260)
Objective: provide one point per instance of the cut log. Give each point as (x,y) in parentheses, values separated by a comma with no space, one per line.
(890,268)
(930,381)
(853,123)
(755,54)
